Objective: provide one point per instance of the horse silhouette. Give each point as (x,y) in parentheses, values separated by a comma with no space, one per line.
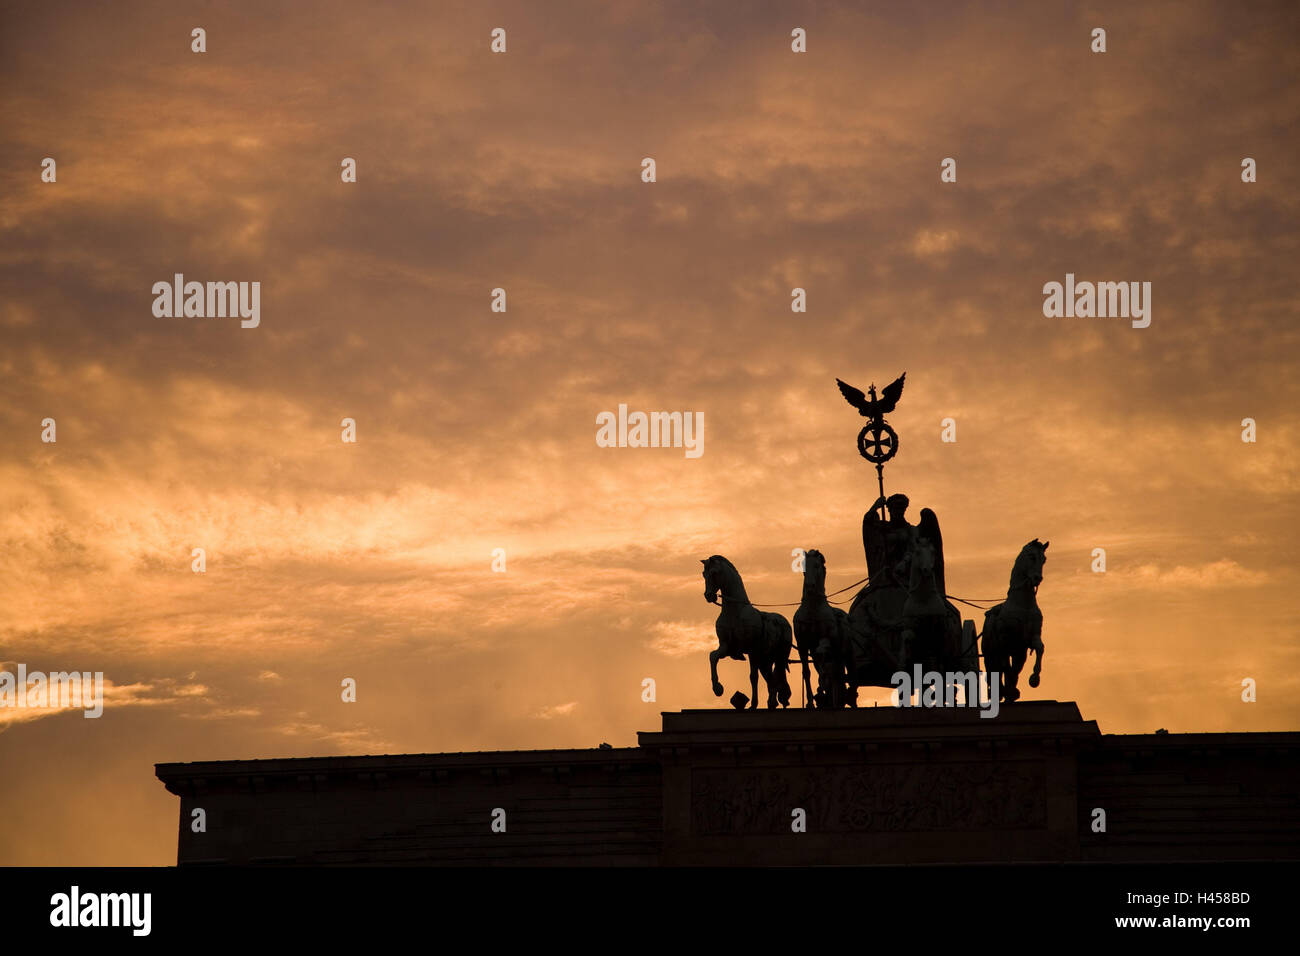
(744,632)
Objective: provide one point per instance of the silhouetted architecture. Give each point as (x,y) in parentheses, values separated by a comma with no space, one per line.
(721,787)
(969,781)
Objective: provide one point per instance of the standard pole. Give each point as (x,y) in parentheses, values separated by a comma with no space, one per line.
(880,465)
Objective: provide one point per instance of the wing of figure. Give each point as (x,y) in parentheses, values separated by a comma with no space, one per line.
(890,396)
(853,396)
(928,527)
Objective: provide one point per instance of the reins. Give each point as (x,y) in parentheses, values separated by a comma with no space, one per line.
(971,602)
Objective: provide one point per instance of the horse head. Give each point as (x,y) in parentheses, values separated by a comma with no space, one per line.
(1027,573)
(814,569)
(718,574)
(921,565)
(923,597)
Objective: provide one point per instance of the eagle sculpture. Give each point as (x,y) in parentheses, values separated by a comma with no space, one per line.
(869,408)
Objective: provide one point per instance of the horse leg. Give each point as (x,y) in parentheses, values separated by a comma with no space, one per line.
(1013,672)
(1038,664)
(807,681)
(713,670)
(770,678)
(845,666)
(994,662)
(753,681)
(778,662)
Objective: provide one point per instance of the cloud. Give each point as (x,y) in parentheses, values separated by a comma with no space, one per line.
(1216,574)
(80,696)
(680,638)
(349,740)
(556,710)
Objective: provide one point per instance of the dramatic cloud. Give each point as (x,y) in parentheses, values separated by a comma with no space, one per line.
(476,429)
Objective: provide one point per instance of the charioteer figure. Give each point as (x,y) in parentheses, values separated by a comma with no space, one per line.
(902,616)
(889,543)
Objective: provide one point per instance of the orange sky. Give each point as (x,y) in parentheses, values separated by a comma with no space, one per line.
(477,429)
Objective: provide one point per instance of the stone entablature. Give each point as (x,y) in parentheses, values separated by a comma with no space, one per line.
(724,787)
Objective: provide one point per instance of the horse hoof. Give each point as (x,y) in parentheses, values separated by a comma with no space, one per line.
(1033,680)
(717,690)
